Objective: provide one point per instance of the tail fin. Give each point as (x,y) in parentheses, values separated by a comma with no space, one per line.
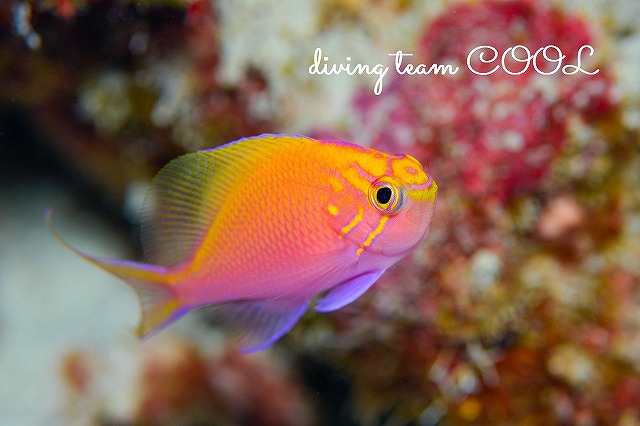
(158,299)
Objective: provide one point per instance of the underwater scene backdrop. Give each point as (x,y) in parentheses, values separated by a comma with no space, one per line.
(521,307)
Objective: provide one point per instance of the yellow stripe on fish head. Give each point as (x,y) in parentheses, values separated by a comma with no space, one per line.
(420,186)
(385,202)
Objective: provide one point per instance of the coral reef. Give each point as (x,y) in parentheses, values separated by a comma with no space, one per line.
(513,311)
(134,85)
(171,381)
(499,132)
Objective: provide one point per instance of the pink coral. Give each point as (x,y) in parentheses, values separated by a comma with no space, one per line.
(496,134)
(562,215)
(490,315)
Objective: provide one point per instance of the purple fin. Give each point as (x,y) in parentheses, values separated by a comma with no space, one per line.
(347,292)
(259,324)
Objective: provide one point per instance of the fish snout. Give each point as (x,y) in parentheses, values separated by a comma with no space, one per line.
(430,191)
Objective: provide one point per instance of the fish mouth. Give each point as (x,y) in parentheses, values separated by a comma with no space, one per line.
(425,192)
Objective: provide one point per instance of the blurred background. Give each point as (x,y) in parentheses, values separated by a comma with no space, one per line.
(521,307)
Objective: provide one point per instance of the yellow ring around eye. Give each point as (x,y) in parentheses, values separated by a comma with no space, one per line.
(387,195)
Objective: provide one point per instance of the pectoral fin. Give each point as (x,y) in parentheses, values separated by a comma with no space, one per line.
(347,292)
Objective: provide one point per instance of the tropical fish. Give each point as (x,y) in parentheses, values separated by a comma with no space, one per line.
(259,227)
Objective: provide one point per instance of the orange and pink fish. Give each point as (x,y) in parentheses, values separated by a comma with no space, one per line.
(260,227)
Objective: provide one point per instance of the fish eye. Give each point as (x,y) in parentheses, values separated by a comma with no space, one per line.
(383,194)
(387,195)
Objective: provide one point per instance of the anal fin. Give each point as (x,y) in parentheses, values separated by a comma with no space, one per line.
(347,292)
(259,323)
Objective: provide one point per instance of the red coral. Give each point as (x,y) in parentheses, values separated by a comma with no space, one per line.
(173,383)
(253,394)
(473,314)
(497,134)
(177,382)
(77,371)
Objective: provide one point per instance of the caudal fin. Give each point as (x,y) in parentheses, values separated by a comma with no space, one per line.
(158,299)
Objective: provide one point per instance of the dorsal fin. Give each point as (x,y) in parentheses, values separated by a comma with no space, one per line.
(187,193)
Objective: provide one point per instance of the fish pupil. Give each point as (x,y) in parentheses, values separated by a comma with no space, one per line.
(383,195)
